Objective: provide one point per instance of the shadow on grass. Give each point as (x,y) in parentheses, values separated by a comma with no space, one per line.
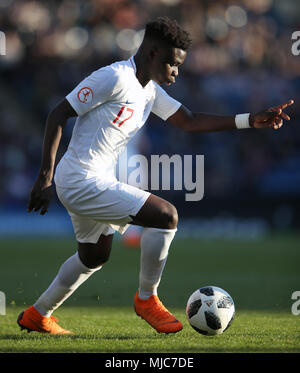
(148,350)
(30,336)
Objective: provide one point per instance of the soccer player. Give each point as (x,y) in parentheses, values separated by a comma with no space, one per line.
(111,105)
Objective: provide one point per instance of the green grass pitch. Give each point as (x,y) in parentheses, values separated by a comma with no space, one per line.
(260,276)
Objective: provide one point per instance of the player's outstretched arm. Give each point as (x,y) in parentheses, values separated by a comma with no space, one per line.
(41,192)
(201,122)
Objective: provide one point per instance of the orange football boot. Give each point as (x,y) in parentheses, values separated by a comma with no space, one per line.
(156,314)
(32,320)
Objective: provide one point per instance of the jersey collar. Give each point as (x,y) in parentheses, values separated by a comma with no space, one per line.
(131,59)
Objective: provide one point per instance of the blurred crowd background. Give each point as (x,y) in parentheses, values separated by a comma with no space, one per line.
(240,61)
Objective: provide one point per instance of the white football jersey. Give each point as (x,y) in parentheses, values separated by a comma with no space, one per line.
(112,106)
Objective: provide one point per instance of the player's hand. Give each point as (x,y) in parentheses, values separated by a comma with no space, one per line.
(271,118)
(40,197)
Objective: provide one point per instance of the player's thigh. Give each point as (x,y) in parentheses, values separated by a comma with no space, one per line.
(93,255)
(156,213)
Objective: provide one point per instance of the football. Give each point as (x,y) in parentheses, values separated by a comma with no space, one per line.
(210,310)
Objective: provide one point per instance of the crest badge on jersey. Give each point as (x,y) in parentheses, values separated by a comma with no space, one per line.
(85,95)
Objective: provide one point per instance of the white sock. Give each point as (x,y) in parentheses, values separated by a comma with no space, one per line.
(70,276)
(155,245)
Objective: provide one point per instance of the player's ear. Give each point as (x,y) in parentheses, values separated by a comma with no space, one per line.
(153,51)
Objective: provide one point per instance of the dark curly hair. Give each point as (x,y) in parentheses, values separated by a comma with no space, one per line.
(168,31)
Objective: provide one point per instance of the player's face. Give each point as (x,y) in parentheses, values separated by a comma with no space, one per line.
(167,64)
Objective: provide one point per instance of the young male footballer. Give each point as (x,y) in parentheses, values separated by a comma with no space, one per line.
(111,105)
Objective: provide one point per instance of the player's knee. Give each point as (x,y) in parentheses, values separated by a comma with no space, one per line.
(103,257)
(96,260)
(94,255)
(170,216)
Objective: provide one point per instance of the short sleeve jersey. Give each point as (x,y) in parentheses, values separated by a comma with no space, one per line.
(112,106)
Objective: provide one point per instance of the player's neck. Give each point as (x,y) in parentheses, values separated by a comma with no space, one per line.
(141,74)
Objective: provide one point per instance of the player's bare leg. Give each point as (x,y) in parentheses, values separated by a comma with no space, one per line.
(160,219)
(156,213)
(77,269)
(94,255)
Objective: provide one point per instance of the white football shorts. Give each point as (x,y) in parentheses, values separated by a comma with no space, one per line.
(95,210)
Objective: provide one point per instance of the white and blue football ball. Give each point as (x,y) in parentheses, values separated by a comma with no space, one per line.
(210,310)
